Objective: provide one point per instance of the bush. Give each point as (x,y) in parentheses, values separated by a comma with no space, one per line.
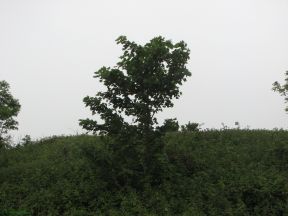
(212,172)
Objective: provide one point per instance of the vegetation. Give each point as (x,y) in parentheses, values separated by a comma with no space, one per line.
(9,109)
(282,89)
(191,126)
(169,125)
(139,167)
(145,81)
(227,172)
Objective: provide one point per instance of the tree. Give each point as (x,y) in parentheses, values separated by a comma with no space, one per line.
(282,89)
(9,109)
(191,126)
(170,125)
(143,82)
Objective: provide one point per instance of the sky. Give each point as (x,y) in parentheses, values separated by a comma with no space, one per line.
(49,51)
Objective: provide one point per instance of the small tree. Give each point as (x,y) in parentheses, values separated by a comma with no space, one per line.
(282,89)
(26,140)
(191,126)
(9,109)
(143,82)
(170,125)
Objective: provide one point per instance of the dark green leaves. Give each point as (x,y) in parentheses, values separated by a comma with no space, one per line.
(144,81)
(9,108)
(282,89)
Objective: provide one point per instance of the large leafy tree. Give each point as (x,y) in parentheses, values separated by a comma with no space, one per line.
(282,89)
(143,82)
(9,109)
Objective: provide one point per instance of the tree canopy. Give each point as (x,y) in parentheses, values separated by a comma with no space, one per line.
(9,109)
(143,82)
(282,89)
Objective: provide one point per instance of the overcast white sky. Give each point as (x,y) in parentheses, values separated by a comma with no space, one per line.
(49,51)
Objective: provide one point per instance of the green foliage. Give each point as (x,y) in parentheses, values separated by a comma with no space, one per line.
(9,108)
(282,89)
(145,81)
(26,140)
(191,126)
(213,172)
(13,213)
(170,125)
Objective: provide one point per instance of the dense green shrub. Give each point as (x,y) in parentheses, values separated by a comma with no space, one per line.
(229,172)
(14,213)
